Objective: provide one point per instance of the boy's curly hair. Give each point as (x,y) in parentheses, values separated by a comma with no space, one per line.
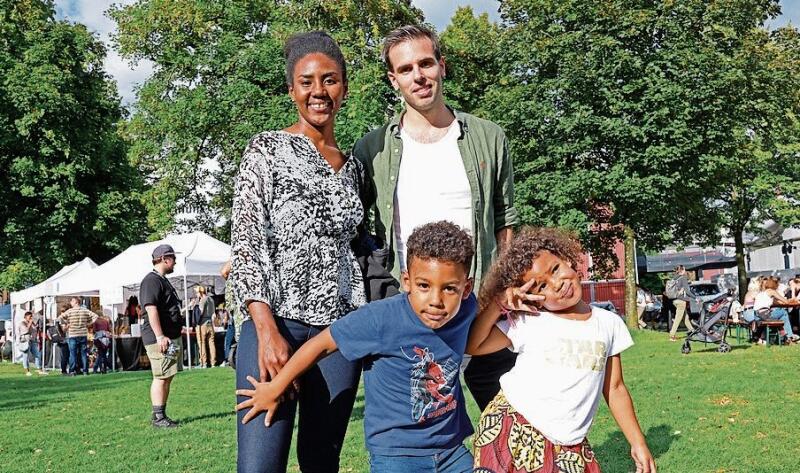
(517,258)
(442,241)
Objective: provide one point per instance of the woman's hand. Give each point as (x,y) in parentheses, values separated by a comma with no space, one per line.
(262,398)
(520,299)
(643,459)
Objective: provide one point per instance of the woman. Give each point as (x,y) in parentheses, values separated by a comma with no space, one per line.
(28,339)
(295,211)
(102,341)
(680,299)
(763,307)
(130,316)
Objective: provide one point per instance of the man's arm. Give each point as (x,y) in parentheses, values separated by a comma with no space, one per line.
(155,324)
(266,396)
(503,238)
(505,215)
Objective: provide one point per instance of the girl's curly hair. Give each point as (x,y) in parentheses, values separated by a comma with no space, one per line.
(517,258)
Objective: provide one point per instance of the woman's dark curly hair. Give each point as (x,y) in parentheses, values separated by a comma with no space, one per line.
(443,241)
(517,258)
(301,45)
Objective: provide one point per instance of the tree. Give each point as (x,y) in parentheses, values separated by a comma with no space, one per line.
(614,113)
(761,168)
(67,187)
(471,48)
(219,79)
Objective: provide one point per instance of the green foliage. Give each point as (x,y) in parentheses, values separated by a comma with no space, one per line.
(471,48)
(219,79)
(20,274)
(625,113)
(68,189)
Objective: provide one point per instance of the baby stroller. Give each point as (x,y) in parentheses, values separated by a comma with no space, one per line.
(713,324)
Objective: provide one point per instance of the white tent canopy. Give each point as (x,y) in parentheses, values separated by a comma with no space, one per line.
(199,255)
(50,286)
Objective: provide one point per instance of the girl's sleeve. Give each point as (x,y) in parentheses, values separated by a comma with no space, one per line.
(513,331)
(620,338)
(251,230)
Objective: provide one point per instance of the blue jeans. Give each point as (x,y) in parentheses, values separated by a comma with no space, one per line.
(327,394)
(102,363)
(37,356)
(230,334)
(779,313)
(77,346)
(454,460)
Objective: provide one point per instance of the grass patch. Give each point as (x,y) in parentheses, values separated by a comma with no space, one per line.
(704,412)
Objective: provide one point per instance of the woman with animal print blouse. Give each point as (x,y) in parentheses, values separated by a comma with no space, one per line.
(295,211)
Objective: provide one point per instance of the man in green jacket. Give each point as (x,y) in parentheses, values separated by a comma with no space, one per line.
(432,163)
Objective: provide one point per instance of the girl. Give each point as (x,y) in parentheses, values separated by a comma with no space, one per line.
(568,355)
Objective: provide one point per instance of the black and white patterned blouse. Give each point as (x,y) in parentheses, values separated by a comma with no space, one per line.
(292,223)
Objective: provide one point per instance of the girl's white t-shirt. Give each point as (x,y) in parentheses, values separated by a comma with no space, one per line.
(557,381)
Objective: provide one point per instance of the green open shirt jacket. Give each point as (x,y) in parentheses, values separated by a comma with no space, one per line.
(484,151)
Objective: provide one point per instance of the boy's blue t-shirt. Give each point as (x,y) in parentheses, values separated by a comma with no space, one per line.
(414,404)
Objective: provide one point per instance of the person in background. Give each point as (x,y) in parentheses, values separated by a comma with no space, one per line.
(764,301)
(205,328)
(79,320)
(228,314)
(677,291)
(102,341)
(58,338)
(641,305)
(132,314)
(161,331)
(28,334)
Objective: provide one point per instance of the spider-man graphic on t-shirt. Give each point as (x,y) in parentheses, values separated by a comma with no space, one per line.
(432,385)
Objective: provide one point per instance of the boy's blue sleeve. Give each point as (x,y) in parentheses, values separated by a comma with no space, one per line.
(359,333)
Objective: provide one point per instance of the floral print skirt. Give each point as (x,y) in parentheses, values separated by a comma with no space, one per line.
(507,443)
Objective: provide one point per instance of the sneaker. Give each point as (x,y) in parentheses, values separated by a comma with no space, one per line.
(43,372)
(165,422)
(28,373)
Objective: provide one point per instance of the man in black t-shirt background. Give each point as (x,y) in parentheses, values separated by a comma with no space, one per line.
(161,331)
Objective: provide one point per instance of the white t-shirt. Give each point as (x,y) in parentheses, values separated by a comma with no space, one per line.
(432,185)
(763,302)
(557,381)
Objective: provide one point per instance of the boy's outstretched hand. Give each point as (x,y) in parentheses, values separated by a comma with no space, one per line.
(643,459)
(262,398)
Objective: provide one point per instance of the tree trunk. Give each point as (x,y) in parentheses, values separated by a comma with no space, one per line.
(631,316)
(740,265)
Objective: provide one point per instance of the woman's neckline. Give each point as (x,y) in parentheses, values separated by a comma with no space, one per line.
(316,151)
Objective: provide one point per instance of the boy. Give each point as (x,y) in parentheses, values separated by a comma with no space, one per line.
(411,345)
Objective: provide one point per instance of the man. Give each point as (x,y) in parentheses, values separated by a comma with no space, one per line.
(432,163)
(161,331)
(205,328)
(78,319)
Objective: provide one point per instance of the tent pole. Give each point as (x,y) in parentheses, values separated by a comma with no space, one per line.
(186,311)
(41,334)
(113,312)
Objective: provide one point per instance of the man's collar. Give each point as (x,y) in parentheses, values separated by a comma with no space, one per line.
(394,123)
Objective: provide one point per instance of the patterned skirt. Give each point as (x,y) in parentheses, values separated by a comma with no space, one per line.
(507,443)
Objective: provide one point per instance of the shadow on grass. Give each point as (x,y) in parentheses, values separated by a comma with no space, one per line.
(615,455)
(714,349)
(25,393)
(215,415)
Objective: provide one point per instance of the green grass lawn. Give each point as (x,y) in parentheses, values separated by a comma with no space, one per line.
(704,412)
